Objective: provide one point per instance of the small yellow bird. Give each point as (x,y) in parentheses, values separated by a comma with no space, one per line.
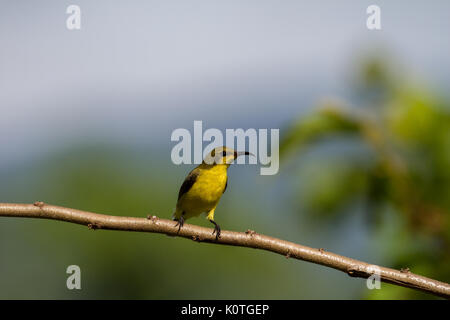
(203,187)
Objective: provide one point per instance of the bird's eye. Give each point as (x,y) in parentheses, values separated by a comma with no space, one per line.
(224,153)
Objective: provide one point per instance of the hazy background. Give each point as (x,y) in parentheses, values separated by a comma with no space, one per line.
(86,118)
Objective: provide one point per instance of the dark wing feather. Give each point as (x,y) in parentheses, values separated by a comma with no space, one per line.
(226,185)
(188,182)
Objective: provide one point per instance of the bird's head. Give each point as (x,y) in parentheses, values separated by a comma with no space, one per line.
(224,156)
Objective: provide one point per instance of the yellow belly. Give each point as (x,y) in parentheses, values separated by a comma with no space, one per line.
(205,194)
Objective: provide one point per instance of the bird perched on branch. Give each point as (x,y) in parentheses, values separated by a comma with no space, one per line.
(203,187)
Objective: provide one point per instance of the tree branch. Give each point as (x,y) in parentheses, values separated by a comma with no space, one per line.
(249,239)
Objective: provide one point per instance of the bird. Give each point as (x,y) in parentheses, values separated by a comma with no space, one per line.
(204,186)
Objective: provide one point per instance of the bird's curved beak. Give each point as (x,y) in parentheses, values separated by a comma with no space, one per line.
(242,153)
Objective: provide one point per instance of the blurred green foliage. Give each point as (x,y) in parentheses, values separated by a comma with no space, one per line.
(391,154)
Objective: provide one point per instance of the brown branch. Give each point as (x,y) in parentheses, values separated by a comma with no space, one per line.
(249,239)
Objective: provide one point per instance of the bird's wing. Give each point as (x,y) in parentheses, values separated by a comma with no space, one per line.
(188,182)
(226,185)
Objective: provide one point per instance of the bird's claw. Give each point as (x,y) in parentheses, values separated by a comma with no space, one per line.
(216,230)
(179,224)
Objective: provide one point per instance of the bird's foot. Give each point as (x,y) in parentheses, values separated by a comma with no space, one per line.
(180,223)
(216,229)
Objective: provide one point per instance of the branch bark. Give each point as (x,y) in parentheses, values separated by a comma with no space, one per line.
(249,239)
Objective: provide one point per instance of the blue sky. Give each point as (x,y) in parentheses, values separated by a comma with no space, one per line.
(139,69)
